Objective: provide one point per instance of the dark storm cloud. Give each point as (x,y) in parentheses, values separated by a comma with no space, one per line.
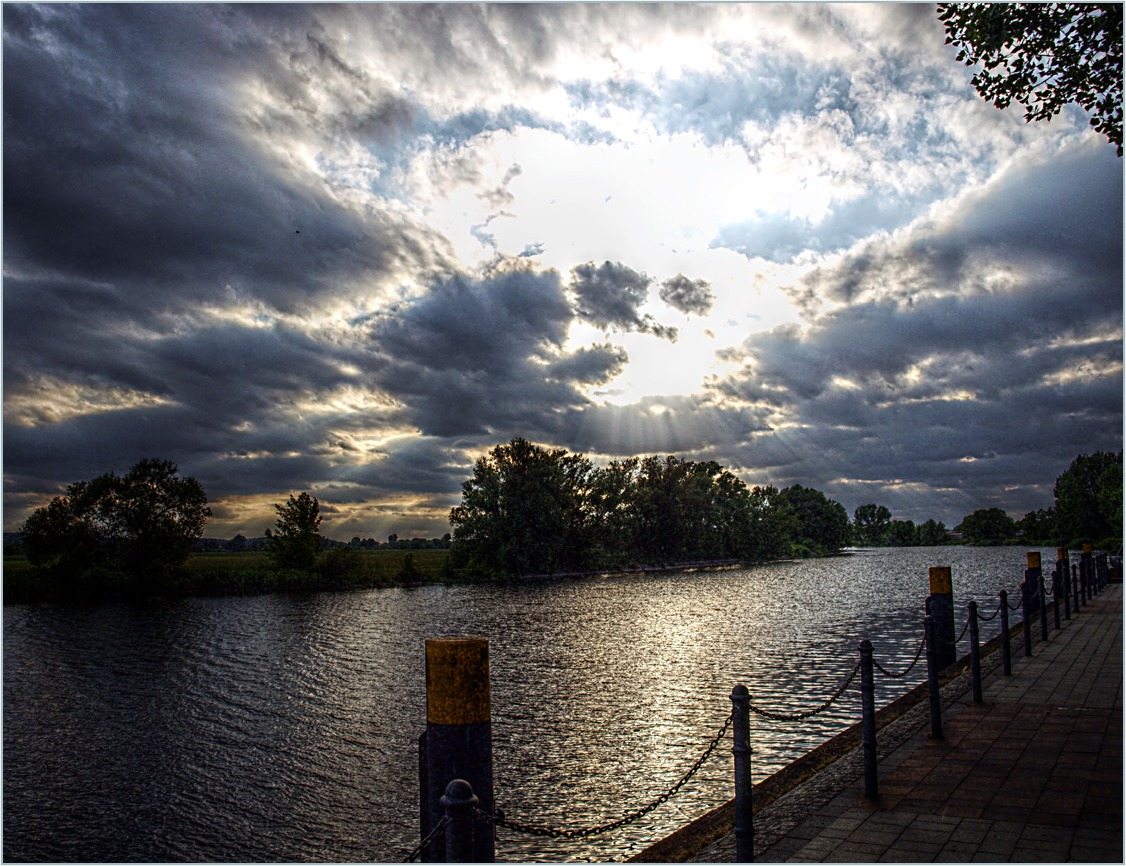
(956,393)
(477,355)
(124,164)
(1065,215)
(687,295)
(608,296)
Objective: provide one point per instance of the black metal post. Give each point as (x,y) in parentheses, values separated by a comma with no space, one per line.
(1075,584)
(458,803)
(744,798)
(1056,597)
(1025,592)
(1084,585)
(1061,569)
(868,719)
(1006,641)
(1037,574)
(1092,580)
(932,678)
(975,652)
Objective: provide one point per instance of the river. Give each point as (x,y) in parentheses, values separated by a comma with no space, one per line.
(284,727)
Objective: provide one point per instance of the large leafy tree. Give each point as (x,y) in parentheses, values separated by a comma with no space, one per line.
(820,522)
(987,526)
(1039,526)
(523,511)
(296,541)
(1077,492)
(531,510)
(931,533)
(141,524)
(871,523)
(903,533)
(1044,56)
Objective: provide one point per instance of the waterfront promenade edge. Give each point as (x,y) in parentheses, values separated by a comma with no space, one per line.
(1033,774)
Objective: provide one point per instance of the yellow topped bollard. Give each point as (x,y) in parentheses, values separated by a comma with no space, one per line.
(940,605)
(458,739)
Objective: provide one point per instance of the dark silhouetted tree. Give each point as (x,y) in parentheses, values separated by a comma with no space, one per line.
(902,533)
(1077,497)
(1044,56)
(142,524)
(820,522)
(870,523)
(987,526)
(1039,526)
(932,533)
(296,542)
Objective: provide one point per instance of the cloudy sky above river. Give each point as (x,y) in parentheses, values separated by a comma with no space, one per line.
(350,249)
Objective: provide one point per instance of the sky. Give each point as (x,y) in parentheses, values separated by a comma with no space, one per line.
(350,249)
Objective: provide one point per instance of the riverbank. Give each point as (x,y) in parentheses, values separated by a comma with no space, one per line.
(237,574)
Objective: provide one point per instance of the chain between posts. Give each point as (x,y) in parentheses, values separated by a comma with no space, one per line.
(891,676)
(441,825)
(797,717)
(579,833)
(958,638)
(993,615)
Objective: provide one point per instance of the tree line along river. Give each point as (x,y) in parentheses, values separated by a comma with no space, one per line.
(284,727)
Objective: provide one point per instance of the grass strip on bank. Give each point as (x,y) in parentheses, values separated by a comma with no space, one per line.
(218,574)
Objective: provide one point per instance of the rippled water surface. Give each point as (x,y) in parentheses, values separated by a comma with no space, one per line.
(284,727)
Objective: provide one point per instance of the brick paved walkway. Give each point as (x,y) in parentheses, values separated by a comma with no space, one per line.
(1033,774)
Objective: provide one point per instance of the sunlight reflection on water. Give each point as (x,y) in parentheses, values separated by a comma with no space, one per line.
(283,727)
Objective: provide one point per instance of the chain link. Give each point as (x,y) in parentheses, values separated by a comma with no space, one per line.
(891,676)
(993,615)
(581,833)
(797,717)
(441,825)
(957,639)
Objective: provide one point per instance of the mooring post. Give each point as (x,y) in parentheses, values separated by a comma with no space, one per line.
(1075,583)
(458,803)
(941,607)
(868,719)
(975,652)
(932,677)
(1092,579)
(459,740)
(744,786)
(1025,604)
(1037,574)
(1006,641)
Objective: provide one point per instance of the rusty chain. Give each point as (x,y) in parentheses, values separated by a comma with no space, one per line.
(958,638)
(797,717)
(441,825)
(891,676)
(499,820)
